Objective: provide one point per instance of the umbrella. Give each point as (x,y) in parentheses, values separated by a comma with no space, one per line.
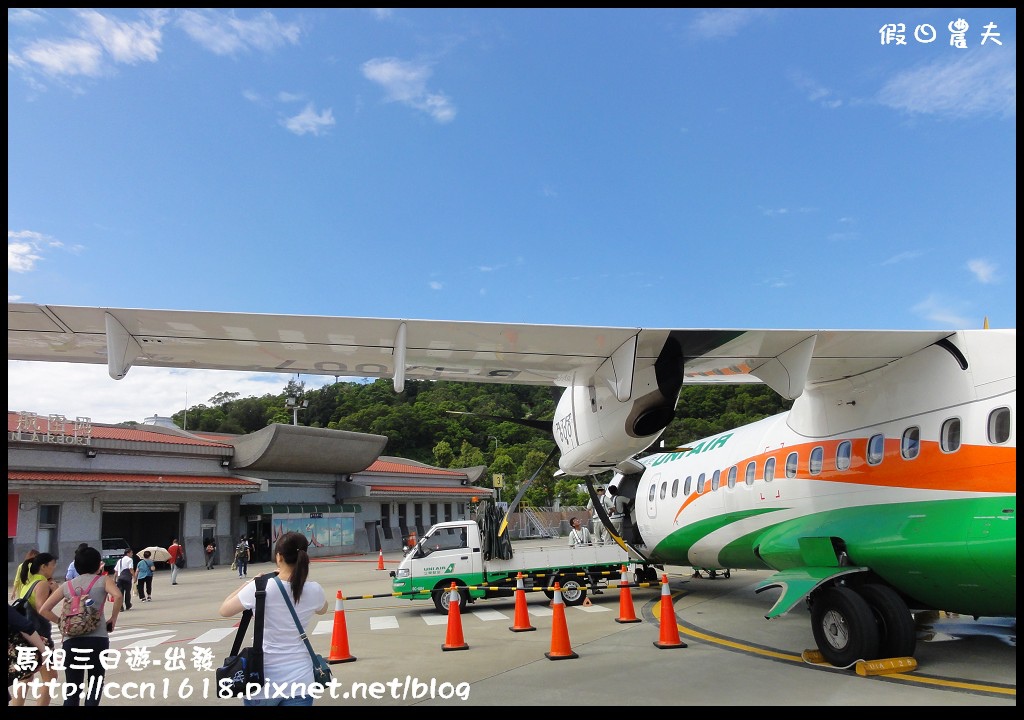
(159,554)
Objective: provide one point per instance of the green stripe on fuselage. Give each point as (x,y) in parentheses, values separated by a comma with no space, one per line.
(954,555)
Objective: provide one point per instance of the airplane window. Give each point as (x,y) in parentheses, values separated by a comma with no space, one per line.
(687,485)
(751,471)
(732,477)
(791,462)
(650,493)
(843,455)
(664,489)
(910,443)
(949,436)
(817,458)
(675,487)
(876,449)
(716,479)
(999,426)
(769,469)
(700,483)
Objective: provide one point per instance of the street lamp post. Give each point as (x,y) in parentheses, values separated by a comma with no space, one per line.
(295,405)
(491,437)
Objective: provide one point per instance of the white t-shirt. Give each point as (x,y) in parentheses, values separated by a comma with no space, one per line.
(125,563)
(285,657)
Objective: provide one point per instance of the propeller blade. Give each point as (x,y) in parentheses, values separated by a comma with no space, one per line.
(542,425)
(522,491)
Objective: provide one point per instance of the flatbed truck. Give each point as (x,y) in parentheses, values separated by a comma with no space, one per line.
(454,552)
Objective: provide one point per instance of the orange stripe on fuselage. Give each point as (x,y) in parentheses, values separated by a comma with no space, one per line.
(972,468)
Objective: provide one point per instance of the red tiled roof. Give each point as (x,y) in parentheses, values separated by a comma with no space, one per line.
(131,478)
(419,489)
(393,468)
(110,432)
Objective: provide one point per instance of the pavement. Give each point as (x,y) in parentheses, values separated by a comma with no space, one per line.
(398,651)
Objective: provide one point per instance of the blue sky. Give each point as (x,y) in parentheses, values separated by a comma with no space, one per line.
(665,168)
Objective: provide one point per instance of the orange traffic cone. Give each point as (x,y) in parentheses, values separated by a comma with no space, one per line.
(626,612)
(453,640)
(339,638)
(380,560)
(669,637)
(560,647)
(522,621)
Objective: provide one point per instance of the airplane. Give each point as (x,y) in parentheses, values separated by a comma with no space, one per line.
(888,487)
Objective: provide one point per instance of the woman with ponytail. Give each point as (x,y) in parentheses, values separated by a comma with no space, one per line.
(285,657)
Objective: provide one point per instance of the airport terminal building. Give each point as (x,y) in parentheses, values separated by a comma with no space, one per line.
(73,481)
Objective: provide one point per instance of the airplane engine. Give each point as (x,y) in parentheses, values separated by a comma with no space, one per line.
(594,430)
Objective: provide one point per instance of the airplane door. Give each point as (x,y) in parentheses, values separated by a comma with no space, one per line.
(652,496)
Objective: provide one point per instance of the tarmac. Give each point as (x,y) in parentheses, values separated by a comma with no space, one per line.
(395,652)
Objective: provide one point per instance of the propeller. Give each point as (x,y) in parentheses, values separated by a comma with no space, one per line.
(542,425)
(522,491)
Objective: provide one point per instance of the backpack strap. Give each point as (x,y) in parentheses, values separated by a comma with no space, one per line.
(28,593)
(247,614)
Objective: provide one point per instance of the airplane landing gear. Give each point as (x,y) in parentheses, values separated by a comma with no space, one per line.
(844,627)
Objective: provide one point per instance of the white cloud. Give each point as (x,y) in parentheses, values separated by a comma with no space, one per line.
(937,310)
(25,248)
(223,33)
(725,22)
(309,121)
(978,83)
(406,83)
(902,257)
(983,270)
(69,57)
(435,285)
(74,389)
(126,42)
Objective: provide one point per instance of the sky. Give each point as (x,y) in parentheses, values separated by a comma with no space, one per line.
(677,168)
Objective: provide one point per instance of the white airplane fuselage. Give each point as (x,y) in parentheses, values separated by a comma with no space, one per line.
(909,471)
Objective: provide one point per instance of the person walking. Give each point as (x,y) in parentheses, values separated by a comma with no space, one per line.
(37,585)
(144,576)
(242,557)
(175,551)
(124,576)
(211,552)
(86,649)
(286,661)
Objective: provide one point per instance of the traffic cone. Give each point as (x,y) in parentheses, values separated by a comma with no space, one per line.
(560,647)
(522,621)
(669,637)
(380,560)
(626,612)
(339,638)
(453,639)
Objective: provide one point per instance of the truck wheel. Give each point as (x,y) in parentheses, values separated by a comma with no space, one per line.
(442,598)
(574,591)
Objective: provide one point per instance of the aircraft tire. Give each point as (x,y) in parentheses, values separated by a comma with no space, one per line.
(844,626)
(897,633)
(442,598)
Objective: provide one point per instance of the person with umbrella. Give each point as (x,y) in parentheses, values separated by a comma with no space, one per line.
(144,576)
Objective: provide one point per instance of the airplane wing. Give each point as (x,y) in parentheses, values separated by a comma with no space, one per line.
(487,352)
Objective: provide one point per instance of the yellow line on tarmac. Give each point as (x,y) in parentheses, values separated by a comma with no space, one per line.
(790,657)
